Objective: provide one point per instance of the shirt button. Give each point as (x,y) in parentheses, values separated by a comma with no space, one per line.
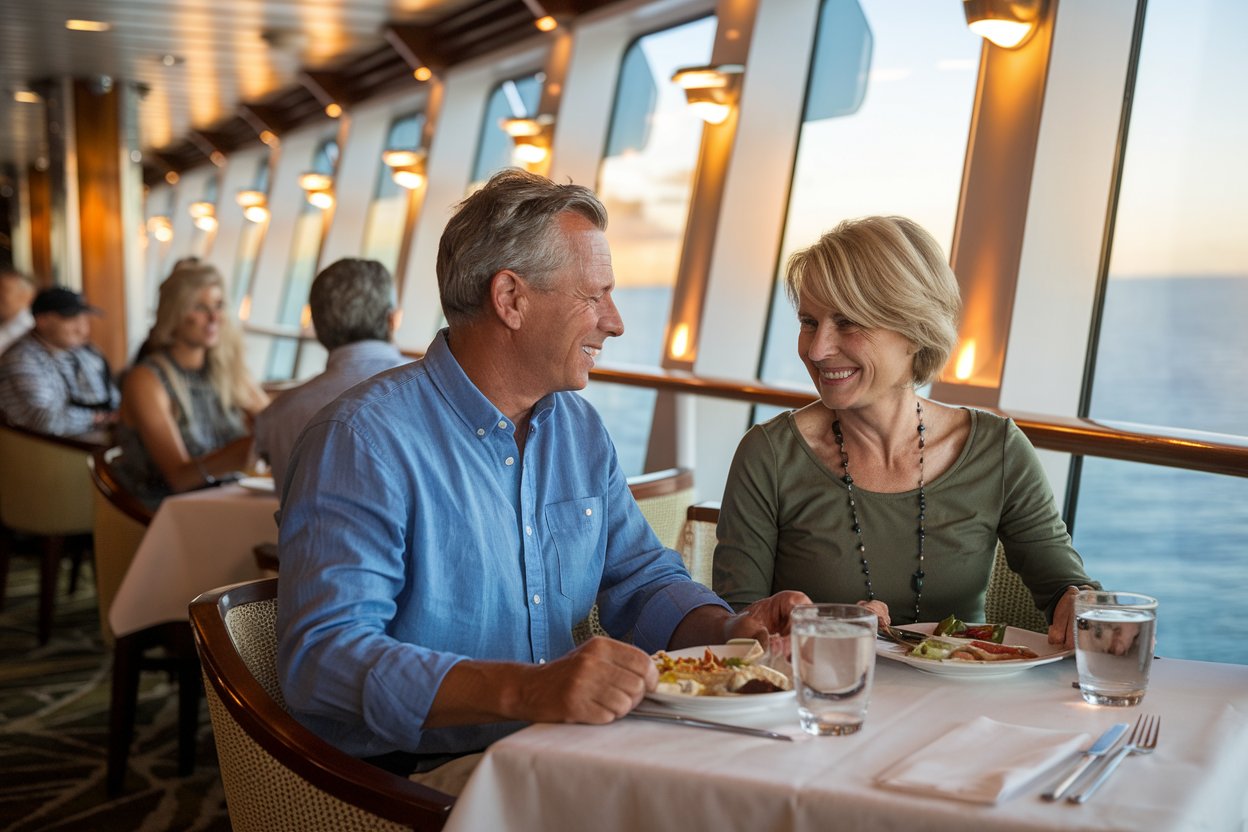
(541,661)
(528,530)
(537,599)
(503,425)
(480,431)
(589,512)
(509,461)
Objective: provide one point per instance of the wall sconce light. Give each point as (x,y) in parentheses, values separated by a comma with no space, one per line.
(1007,23)
(711,91)
(407,167)
(318,189)
(160,227)
(531,137)
(255,205)
(205,215)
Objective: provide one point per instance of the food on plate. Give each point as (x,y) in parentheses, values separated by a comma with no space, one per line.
(712,675)
(951,626)
(972,651)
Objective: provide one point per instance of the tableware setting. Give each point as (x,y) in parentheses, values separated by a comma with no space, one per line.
(738,654)
(1037,643)
(1115,634)
(1143,740)
(833,666)
(258,485)
(982,761)
(1099,750)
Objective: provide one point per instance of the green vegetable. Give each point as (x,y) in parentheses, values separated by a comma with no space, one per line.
(950,626)
(933,648)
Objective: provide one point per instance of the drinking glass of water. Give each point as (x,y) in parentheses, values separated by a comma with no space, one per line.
(833,666)
(1114,640)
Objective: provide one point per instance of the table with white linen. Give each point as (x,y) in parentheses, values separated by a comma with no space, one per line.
(634,775)
(196,542)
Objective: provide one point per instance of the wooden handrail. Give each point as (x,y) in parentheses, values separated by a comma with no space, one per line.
(1189,450)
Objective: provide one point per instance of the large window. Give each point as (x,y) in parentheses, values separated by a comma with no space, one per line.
(1172,343)
(513,98)
(646,181)
(257,216)
(387,214)
(888,110)
(305,251)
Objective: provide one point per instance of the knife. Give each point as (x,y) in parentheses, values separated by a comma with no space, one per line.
(1099,748)
(657,716)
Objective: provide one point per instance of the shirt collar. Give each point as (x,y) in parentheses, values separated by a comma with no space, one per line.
(476,411)
(362,351)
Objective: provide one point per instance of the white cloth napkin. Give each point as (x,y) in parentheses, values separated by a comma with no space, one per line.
(982,761)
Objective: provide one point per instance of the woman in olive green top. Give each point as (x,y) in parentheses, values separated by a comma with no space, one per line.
(873,494)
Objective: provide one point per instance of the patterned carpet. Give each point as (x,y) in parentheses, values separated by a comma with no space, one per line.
(54,728)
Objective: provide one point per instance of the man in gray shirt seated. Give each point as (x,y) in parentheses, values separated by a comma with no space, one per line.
(51,379)
(353,311)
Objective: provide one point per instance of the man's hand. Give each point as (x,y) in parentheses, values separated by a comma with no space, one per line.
(1062,630)
(596,683)
(764,617)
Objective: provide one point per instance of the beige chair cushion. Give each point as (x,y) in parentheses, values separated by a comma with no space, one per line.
(1009,601)
(117,538)
(45,488)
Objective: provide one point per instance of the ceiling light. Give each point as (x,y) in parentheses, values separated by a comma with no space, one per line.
(77,25)
(254,204)
(422,73)
(26,97)
(520,127)
(1007,23)
(710,91)
(202,209)
(269,138)
(161,228)
(530,152)
(318,189)
(172,177)
(546,23)
(333,109)
(407,167)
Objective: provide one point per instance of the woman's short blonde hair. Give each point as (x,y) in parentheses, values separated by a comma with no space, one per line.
(884,273)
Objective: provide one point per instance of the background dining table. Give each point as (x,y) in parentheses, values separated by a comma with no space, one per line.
(195,542)
(636,774)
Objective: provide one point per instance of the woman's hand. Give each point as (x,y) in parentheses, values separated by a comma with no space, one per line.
(1062,630)
(880,609)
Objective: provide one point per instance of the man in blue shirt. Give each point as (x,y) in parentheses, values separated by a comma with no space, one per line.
(445,524)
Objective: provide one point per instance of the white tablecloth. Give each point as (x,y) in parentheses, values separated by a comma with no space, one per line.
(196,542)
(635,775)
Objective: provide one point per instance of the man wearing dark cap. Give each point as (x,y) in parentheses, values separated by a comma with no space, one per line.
(51,379)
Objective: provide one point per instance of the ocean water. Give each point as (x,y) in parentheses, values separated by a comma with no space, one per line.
(1173,352)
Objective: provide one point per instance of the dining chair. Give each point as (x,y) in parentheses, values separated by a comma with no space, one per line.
(120,521)
(45,494)
(662,497)
(277,774)
(1009,601)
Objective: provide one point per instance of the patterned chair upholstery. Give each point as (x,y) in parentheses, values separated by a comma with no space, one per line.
(277,774)
(1009,601)
(662,497)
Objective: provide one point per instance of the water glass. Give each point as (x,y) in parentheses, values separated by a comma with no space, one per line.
(833,666)
(1114,638)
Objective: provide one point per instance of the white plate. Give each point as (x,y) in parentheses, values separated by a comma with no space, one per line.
(1038,642)
(732,703)
(261,485)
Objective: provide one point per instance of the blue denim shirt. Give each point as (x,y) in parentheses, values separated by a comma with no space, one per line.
(413,536)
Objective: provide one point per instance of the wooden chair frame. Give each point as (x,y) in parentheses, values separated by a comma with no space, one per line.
(327,768)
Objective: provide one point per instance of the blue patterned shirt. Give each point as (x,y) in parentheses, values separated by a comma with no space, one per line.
(413,536)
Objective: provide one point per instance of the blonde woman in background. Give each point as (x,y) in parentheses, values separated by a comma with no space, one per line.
(188,401)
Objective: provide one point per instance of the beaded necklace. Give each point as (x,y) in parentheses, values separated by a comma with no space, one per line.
(916,579)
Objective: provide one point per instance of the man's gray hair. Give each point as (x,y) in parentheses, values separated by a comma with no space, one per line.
(509,224)
(351,300)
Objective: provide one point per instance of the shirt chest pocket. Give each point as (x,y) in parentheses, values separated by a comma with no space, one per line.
(576,527)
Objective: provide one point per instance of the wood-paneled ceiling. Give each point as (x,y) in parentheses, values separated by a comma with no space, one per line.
(213,73)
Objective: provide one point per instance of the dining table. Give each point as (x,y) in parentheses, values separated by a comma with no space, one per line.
(634,774)
(196,541)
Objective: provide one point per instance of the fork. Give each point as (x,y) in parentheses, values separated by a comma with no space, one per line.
(1143,740)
